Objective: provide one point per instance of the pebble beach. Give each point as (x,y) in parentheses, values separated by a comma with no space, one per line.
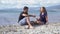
(52,28)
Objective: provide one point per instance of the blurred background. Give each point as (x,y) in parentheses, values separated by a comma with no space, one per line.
(10,10)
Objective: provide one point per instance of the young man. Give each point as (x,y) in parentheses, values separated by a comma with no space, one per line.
(24,18)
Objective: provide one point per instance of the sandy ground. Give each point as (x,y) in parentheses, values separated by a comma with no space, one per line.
(53,28)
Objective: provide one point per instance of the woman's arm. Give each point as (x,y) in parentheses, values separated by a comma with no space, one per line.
(46,18)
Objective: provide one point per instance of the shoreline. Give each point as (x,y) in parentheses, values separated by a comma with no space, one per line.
(51,28)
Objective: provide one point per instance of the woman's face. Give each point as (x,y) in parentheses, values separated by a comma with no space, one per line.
(41,9)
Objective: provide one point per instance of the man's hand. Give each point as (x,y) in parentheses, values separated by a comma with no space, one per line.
(33,15)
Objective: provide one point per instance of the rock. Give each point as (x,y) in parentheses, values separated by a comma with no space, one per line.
(53,28)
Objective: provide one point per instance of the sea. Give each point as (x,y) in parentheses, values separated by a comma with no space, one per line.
(10,16)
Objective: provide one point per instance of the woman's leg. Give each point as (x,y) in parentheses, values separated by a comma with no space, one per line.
(38,21)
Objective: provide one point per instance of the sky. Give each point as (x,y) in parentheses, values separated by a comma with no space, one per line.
(30,3)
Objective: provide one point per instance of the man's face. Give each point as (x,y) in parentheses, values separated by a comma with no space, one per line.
(26,10)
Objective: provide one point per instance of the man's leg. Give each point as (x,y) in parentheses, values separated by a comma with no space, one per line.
(28,22)
(23,21)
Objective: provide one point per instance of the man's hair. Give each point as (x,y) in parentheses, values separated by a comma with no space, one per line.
(25,7)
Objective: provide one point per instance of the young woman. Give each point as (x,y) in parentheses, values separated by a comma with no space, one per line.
(43,16)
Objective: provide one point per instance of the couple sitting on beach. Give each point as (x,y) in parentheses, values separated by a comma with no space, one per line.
(25,20)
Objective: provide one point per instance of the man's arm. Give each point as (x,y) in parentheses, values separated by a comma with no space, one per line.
(25,15)
(32,15)
(28,15)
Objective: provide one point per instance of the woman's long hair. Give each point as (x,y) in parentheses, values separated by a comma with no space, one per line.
(44,9)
